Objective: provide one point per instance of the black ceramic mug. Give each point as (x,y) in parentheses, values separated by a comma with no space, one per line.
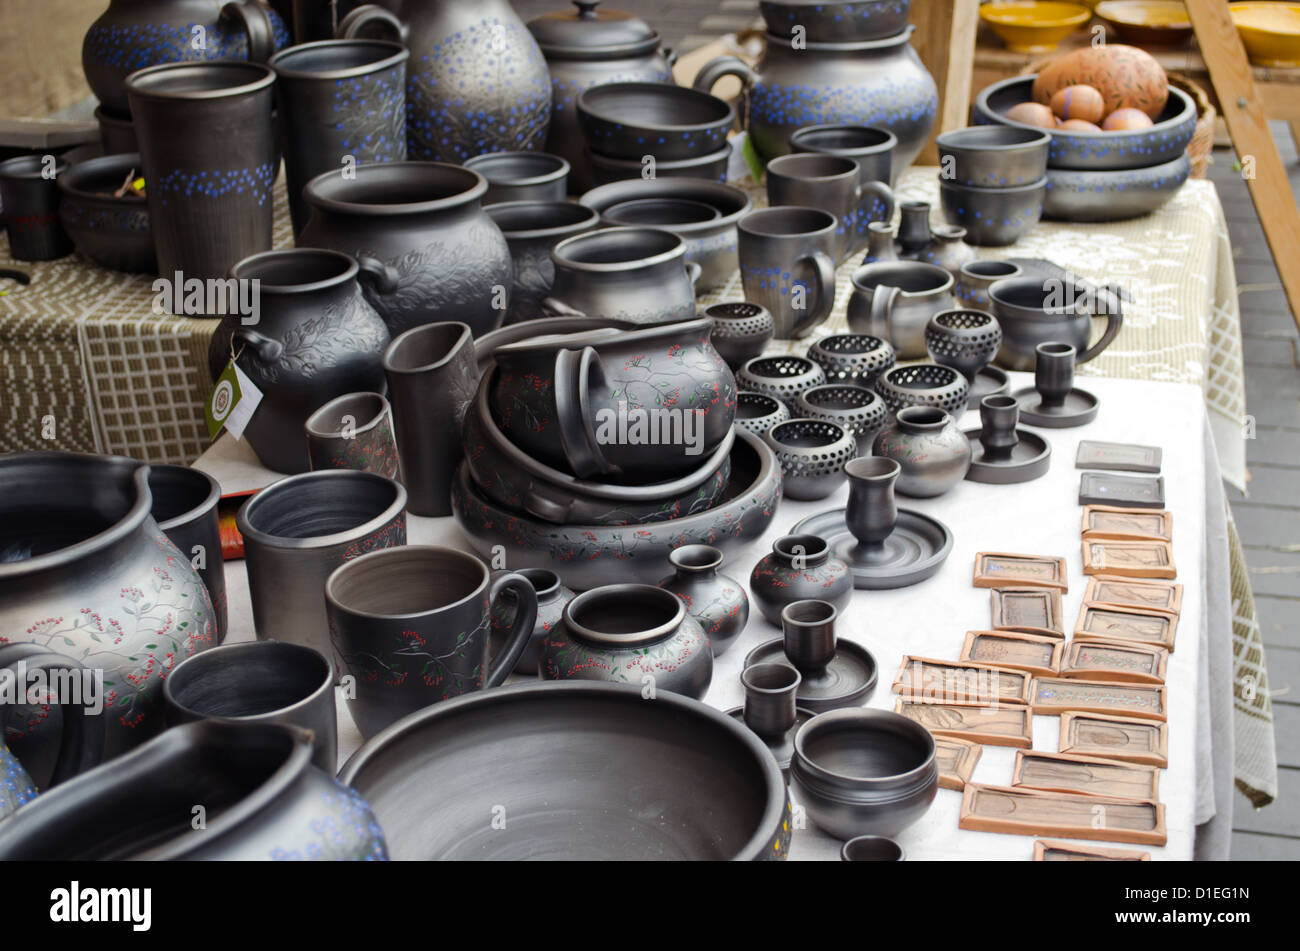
(831,183)
(413,626)
(259,682)
(208,150)
(787,265)
(871,149)
(30,203)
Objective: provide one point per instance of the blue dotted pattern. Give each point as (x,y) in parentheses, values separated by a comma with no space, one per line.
(844,12)
(346,829)
(16,787)
(126,220)
(215,183)
(1016,213)
(886,103)
(363,107)
(132,46)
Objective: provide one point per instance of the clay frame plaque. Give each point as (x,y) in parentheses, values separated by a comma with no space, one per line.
(1129,559)
(1052,695)
(1006,724)
(945,681)
(1049,850)
(1029,610)
(1021,811)
(1086,775)
(1130,739)
(1032,653)
(1101,622)
(1125,524)
(956,759)
(1134,593)
(1122,662)
(998,569)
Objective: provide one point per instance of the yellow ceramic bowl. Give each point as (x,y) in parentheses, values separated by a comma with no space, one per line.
(1270,32)
(1147,22)
(1033,27)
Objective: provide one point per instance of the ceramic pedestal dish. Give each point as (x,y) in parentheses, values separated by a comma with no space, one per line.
(770,708)
(1001,453)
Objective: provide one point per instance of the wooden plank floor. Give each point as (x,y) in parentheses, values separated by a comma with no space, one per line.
(1269,518)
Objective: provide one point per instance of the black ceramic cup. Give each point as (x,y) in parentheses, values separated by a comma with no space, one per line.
(770,691)
(208,150)
(413,625)
(353,431)
(808,628)
(185,504)
(1054,372)
(871,848)
(998,418)
(787,265)
(29,197)
(340,102)
(871,512)
(522,176)
(259,682)
(831,183)
(870,148)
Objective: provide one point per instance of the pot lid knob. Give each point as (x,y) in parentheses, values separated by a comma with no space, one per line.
(589,33)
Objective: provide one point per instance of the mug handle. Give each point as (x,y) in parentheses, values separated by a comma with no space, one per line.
(257,26)
(520,630)
(576,371)
(1114,321)
(824,279)
(352,25)
(267,349)
(715,69)
(694,272)
(82,745)
(877,191)
(378,276)
(882,307)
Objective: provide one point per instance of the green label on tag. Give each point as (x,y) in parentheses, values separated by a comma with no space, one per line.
(752,160)
(225,395)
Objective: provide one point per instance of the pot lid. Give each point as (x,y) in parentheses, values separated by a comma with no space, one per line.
(588,33)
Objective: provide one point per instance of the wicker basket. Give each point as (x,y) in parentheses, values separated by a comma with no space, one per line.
(1202,144)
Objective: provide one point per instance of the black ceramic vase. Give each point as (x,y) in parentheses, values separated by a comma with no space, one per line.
(630,634)
(799,568)
(315,338)
(425,220)
(552,596)
(717,602)
(261,798)
(185,508)
(341,103)
(933,452)
(208,150)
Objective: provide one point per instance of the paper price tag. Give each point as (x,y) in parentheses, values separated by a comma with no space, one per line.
(231,405)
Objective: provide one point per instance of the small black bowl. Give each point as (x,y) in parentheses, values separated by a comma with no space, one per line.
(757,412)
(711,166)
(111,231)
(632,120)
(845,21)
(522,176)
(993,217)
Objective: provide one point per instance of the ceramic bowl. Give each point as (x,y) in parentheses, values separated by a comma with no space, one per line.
(855,359)
(711,166)
(871,848)
(1112,195)
(588,554)
(578,770)
(757,412)
(1147,22)
(1034,27)
(741,331)
(857,409)
(924,384)
(659,212)
(1269,31)
(850,21)
(672,123)
(863,771)
(993,156)
(111,231)
(1096,151)
(522,176)
(710,244)
(993,217)
(812,453)
(783,377)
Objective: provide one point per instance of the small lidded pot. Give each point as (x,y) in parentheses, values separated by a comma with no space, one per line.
(799,568)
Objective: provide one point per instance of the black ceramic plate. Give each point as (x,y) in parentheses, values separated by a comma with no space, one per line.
(782,747)
(848,680)
(991,381)
(915,550)
(1080,408)
(1030,459)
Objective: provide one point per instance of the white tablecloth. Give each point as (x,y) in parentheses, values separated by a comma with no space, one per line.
(930,619)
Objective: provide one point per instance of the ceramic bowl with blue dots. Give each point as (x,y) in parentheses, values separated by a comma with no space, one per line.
(993,216)
(1112,195)
(993,156)
(849,22)
(672,123)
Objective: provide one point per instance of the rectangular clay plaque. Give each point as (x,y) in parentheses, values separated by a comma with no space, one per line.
(942,681)
(1031,610)
(1006,724)
(1132,593)
(1142,492)
(1128,663)
(1108,521)
(1099,622)
(995,569)
(1068,815)
(1128,559)
(1048,695)
(1117,455)
(956,760)
(1048,850)
(1028,652)
(1122,738)
(1090,775)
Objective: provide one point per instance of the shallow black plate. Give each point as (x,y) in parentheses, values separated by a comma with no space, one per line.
(915,550)
(1030,458)
(848,680)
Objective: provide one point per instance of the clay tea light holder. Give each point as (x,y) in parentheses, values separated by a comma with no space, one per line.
(833,673)
(1001,454)
(1054,402)
(771,709)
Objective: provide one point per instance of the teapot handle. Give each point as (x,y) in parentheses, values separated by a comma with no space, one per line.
(1114,314)
(576,371)
(256,23)
(82,740)
(715,69)
(354,24)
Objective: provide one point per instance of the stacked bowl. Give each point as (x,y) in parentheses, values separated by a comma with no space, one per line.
(992,181)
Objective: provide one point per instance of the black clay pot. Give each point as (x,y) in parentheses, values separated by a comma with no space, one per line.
(116,132)
(552,596)
(864,772)
(425,220)
(933,453)
(262,799)
(29,201)
(741,331)
(621,778)
(924,384)
(208,150)
(717,602)
(315,337)
(110,230)
(842,21)
(476,81)
(259,682)
(799,568)
(342,102)
(853,359)
(993,216)
(633,120)
(522,176)
(858,410)
(630,634)
(185,508)
(812,453)
(532,229)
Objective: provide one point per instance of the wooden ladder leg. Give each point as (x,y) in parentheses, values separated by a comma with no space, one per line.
(945,40)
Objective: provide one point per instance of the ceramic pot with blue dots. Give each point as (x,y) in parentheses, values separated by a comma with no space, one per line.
(878,83)
(476,81)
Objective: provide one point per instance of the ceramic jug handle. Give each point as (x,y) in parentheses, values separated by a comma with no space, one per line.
(824,280)
(694,272)
(382,278)
(267,350)
(715,69)
(257,25)
(670,57)
(882,306)
(871,192)
(552,307)
(521,628)
(576,372)
(1114,314)
(354,24)
(82,740)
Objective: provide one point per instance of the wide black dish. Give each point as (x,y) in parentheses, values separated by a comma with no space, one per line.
(574,771)
(632,120)
(1074,195)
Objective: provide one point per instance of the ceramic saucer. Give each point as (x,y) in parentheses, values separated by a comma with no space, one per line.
(847,681)
(1029,459)
(914,550)
(1079,408)
(782,746)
